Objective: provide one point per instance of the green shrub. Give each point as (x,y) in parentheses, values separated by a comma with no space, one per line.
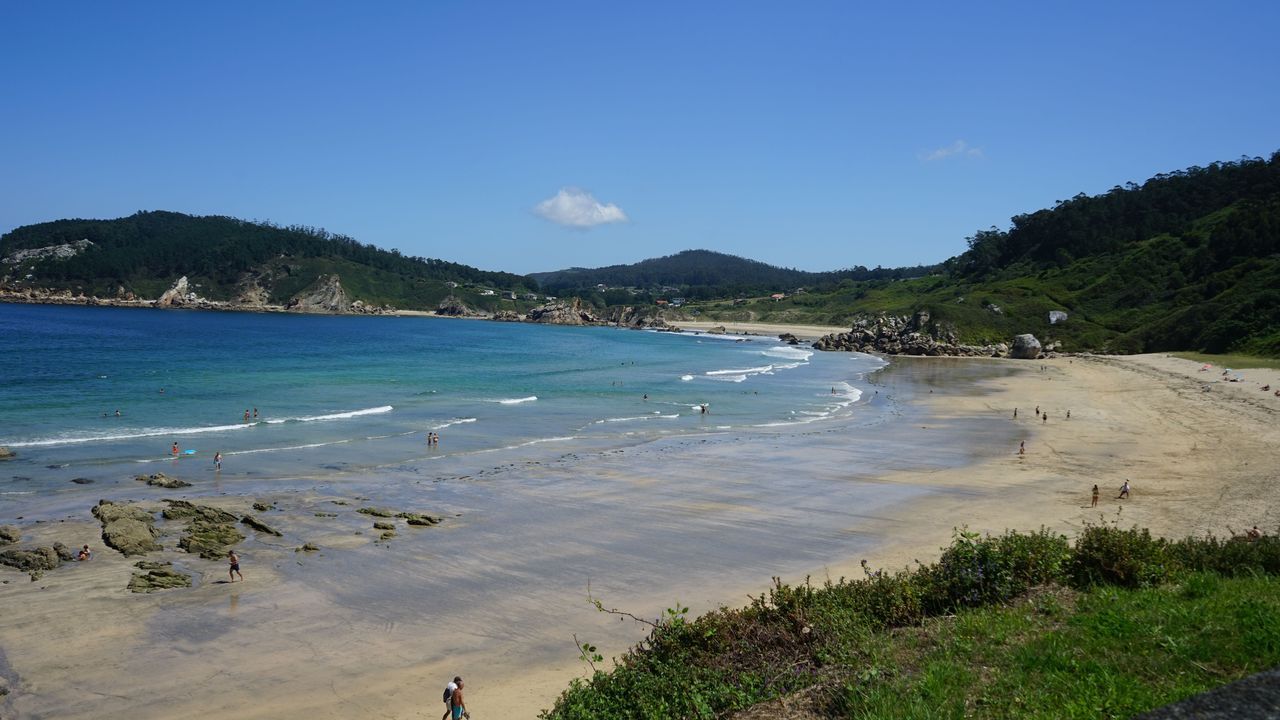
(1106,555)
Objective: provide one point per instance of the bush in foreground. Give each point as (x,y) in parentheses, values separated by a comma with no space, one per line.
(797,637)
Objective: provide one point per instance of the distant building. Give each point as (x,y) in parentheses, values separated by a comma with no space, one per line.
(530,296)
(776,297)
(677,302)
(509,295)
(486,292)
(660,302)
(451,284)
(602,286)
(550,298)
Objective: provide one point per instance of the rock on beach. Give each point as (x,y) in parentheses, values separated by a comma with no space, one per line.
(126,528)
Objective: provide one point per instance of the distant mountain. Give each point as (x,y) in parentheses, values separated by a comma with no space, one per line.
(224,258)
(704,273)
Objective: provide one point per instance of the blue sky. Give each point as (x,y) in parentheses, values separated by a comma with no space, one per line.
(533,136)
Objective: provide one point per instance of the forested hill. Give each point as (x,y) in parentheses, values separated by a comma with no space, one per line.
(1188,260)
(145,252)
(702,274)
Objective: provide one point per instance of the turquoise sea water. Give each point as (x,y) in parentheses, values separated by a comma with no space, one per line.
(344,394)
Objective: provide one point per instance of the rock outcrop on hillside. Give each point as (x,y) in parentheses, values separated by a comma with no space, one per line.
(454,307)
(182,295)
(326,296)
(57,252)
(902,335)
(632,317)
(562,313)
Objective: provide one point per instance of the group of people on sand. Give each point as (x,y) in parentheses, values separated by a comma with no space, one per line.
(1124,494)
(455,705)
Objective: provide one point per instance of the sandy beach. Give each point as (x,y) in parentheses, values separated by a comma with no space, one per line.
(338,633)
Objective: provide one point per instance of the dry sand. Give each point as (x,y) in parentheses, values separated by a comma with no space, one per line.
(1198,462)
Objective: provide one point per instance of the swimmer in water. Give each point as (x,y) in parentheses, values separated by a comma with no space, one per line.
(175,449)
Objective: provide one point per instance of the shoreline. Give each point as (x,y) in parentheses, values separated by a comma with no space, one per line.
(1199,461)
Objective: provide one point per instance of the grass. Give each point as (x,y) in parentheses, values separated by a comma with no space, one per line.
(1105,653)
(1238,362)
(1019,625)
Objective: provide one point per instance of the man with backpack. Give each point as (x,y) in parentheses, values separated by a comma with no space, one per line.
(453,700)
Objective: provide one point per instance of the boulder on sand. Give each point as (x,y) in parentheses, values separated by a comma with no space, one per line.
(43,558)
(419,519)
(126,528)
(158,577)
(1025,347)
(9,535)
(163,481)
(181,509)
(6,453)
(258,525)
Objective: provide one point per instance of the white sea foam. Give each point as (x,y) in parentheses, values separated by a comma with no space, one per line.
(788,352)
(289,447)
(654,416)
(686,378)
(450,423)
(335,416)
(730,378)
(517,401)
(747,371)
(143,433)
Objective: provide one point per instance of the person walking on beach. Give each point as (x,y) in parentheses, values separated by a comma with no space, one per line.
(1124,491)
(217,461)
(1015,413)
(449,690)
(234,561)
(457,703)
(1094,504)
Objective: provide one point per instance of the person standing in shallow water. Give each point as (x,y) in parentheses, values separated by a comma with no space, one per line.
(234,561)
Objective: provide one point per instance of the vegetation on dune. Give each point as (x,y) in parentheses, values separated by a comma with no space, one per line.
(1020,625)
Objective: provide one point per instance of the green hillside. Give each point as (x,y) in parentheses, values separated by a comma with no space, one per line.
(1186,261)
(705,274)
(144,253)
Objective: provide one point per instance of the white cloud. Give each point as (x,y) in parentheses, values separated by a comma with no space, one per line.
(578,208)
(959,148)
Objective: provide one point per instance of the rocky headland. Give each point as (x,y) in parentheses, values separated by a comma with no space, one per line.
(920,335)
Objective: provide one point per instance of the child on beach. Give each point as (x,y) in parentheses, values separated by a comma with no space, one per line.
(85,554)
(234,561)
(1124,491)
(217,461)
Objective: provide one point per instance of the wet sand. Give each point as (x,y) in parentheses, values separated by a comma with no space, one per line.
(497,592)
